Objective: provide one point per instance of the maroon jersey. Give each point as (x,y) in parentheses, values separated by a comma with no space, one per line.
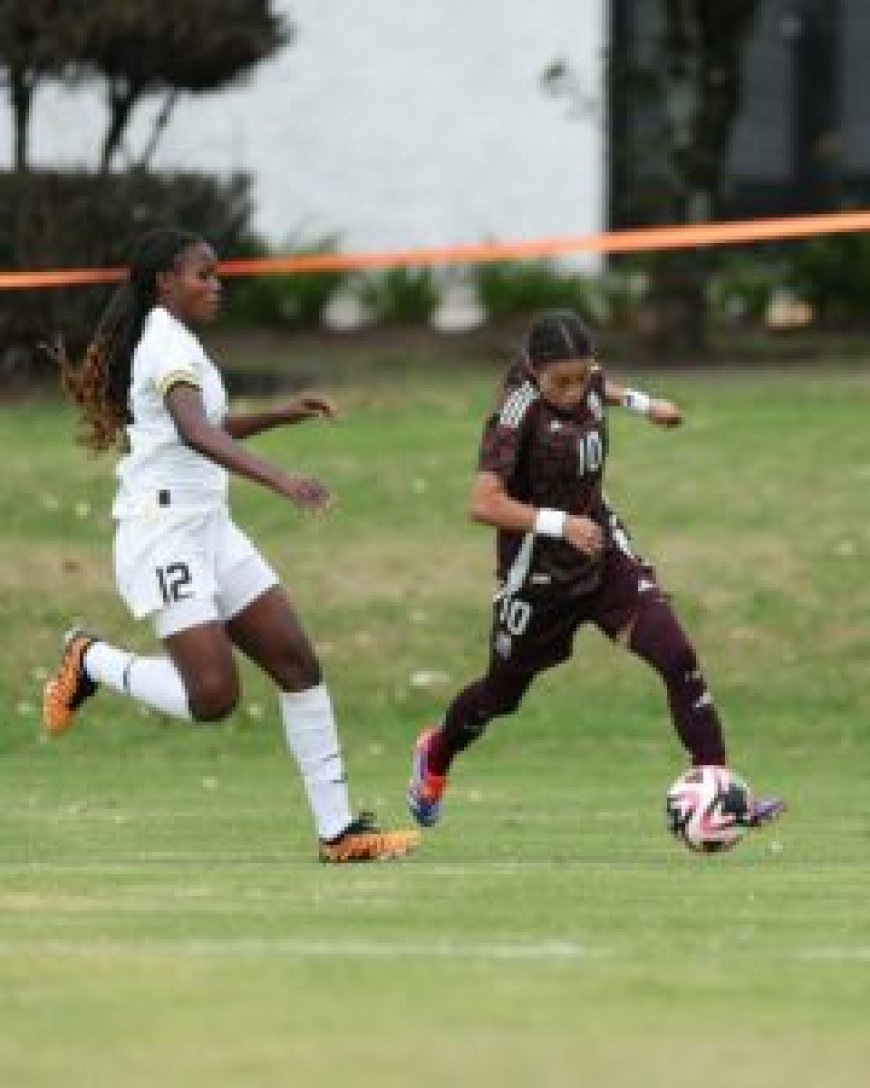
(548,457)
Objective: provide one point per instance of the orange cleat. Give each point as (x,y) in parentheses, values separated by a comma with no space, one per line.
(363,840)
(65,692)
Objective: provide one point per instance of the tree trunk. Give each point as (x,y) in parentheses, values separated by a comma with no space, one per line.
(702,49)
(160,123)
(675,320)
(122,97)
(21,96)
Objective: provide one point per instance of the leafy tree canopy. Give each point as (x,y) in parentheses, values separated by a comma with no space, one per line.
(137,48)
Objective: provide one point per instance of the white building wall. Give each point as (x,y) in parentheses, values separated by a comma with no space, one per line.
(395,123)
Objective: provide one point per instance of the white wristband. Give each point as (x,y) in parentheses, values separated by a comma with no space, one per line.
(635,401)
(550,522)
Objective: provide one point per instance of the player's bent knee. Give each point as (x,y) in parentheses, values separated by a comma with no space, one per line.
(213,701)
(212,710)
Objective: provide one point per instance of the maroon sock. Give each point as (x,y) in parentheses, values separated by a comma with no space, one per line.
(497,693)
(438,754)
(658,639)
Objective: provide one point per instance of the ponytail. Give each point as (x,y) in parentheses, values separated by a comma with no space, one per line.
(99,386)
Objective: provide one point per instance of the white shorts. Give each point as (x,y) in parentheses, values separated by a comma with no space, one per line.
(185,568)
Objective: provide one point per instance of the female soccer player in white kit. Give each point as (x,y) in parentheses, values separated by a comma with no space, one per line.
(179,558)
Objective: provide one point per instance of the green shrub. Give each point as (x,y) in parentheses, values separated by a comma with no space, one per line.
(832,274)
(620,289)
(743,282)
(511,288)
(294,301)
(56,220)
(400,296)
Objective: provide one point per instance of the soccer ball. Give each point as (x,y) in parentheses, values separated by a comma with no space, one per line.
(709,809)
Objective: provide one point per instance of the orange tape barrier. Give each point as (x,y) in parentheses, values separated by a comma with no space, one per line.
(623,241)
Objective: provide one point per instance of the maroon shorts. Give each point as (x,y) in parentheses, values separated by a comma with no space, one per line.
(534,628)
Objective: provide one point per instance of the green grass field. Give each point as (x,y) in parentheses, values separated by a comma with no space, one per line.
(162,917)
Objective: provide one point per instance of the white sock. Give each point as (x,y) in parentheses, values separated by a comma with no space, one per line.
(312,738)
(154,681)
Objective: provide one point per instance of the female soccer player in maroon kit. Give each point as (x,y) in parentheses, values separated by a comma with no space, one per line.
(564,557)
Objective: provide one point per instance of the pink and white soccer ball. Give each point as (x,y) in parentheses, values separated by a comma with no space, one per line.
(709,809)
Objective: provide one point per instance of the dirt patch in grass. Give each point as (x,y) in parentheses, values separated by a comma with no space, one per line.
(715,571)
(52,569)
(385,571)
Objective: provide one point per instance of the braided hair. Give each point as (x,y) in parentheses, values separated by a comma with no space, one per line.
(100,384)
(556,335)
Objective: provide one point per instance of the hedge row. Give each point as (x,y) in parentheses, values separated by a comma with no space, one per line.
(51,220)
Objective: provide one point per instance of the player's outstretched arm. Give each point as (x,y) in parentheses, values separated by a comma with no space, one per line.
(663,412)
(296,410)
(184,403)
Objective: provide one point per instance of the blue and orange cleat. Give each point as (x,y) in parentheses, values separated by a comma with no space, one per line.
(425,788)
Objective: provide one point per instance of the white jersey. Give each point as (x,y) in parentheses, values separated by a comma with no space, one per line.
(159,463)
